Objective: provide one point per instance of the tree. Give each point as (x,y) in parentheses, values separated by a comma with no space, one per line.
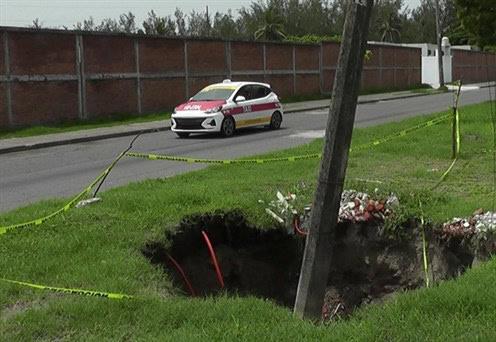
(162,26)
(225,26)
(390,28)
(180,22)
(87,25)
(386,23)
(108,25)
(478,18)
(127,22)
(272,27)
(37,24)
(199,24)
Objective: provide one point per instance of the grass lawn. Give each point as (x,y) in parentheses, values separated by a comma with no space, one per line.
(81,125)
(98,248)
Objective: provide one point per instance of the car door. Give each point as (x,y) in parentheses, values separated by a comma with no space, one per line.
(253,110)
(244,114)
(261,107)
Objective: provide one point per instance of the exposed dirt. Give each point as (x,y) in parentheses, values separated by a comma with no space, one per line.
(367,266)
(12,310)
(253,261)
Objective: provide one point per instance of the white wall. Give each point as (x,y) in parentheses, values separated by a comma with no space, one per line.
(430,73)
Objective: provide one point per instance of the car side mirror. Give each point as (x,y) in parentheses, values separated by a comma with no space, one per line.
(240,98)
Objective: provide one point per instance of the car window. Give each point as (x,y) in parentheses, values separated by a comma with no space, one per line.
(214,93)
(245,91)
(260,91)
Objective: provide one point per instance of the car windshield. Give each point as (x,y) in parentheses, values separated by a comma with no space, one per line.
(214,93)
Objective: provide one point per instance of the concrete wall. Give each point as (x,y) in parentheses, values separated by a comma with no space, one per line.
(50,76)
(430,70)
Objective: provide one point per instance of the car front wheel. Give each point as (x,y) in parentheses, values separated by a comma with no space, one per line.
(228,126)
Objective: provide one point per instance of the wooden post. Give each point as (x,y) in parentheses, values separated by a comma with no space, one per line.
(324,216)
(455,132)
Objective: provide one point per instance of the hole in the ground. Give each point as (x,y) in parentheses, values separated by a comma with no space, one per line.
(367,265)
(264,263)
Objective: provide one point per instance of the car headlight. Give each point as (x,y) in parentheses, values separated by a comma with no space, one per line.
(213,110)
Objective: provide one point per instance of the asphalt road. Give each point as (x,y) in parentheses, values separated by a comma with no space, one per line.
(62,171)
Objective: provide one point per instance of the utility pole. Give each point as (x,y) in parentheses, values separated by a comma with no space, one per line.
(439,47)
(324,215)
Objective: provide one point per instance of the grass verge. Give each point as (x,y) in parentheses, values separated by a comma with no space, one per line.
(97,248)
(72,126)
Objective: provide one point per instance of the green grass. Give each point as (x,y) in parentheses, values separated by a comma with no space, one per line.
(430,91)
(418,88)
(72,126)
(98,248)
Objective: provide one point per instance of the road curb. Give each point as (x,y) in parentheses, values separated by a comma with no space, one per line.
(166,127)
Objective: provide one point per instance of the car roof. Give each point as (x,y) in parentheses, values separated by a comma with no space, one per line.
(239,84)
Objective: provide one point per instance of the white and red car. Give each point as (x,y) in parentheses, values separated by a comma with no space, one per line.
(224,107)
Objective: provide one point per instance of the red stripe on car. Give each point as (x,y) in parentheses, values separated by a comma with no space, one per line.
(251,108)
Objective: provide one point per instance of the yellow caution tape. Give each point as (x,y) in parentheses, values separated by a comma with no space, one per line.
(445,174)
(78,197)
(424,247)
(67,206)
(222,161)
(285,159)
(402,133)
(71,291)
(457,128)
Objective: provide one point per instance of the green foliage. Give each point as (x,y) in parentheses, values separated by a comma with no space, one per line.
(272,27)
(306,21)
(313,38)
(478,17)
(162,26)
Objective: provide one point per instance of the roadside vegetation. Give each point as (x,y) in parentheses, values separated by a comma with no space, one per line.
(98,248)
(311,21)
(72,126)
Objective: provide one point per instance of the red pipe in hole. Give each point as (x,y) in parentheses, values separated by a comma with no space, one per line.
(220,278)
(181,272)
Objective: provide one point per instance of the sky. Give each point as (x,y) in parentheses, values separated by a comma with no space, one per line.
(57,13)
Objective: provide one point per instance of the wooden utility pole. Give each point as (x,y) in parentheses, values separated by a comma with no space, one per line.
(439,45)
(324,216)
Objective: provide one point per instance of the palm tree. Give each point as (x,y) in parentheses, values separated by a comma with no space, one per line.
(390,28)
(273,28)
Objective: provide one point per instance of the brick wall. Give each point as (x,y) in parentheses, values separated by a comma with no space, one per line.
(473,66)
(50,76)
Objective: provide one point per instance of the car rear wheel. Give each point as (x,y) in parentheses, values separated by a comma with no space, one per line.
(228,126)
(182,135)
(275,120)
